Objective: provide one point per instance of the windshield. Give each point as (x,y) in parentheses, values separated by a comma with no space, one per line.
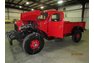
(43,16)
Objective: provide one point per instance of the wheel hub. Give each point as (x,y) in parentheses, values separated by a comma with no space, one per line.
(34,44)
(78,35)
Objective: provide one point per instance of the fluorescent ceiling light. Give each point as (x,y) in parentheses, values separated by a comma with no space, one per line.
(20,6)
(27,3)
(32,9)
(42,7)
(60,2)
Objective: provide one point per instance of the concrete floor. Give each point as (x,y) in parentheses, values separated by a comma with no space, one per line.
(54,51)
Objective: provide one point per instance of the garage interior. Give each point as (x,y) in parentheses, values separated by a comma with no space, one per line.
(56,50)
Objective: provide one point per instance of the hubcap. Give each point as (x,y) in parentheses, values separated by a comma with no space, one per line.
(34,44)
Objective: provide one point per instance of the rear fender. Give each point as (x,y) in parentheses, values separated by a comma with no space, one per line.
(77,28)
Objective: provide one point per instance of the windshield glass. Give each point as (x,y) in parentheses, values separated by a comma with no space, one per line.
(43,16)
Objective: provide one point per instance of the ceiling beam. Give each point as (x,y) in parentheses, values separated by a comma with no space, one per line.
(19,1)
(15,4)
(72,2)
(47,6)
(30,4)
(8,0)
(44,4)
(12,1)
(24,5)
(83,1)
(8,6)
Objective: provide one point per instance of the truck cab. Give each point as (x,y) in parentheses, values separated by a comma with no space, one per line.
(51,22)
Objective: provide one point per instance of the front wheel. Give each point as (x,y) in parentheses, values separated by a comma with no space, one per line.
(76,36)
(33,43)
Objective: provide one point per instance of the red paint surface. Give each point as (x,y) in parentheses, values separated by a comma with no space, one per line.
(55,29)
(31,15)
(19,23)
(68,26)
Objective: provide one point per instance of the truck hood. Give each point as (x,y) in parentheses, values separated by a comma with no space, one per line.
(30,16)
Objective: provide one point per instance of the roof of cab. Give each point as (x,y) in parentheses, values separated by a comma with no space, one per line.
(53,11)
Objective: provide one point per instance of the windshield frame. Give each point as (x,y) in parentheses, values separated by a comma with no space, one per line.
(44,16)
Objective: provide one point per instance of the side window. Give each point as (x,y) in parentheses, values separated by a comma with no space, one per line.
(55,17)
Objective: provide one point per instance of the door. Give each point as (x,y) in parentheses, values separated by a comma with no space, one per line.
(42,22)
(55,26)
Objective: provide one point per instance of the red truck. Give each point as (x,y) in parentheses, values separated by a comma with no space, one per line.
(36,25)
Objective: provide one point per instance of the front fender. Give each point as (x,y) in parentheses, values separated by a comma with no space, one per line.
(18,24)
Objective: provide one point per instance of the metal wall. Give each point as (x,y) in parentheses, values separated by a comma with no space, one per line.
(74,13)
(11,14)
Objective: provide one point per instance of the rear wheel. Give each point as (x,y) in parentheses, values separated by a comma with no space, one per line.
(76,36)
(33,43)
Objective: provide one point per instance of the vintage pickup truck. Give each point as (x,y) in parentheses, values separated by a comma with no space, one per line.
(36,25)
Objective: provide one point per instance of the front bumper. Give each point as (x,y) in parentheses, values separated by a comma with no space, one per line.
(13,35)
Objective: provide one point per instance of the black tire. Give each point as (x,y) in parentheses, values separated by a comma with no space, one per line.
(28,39)
(50,38)
(74,36)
